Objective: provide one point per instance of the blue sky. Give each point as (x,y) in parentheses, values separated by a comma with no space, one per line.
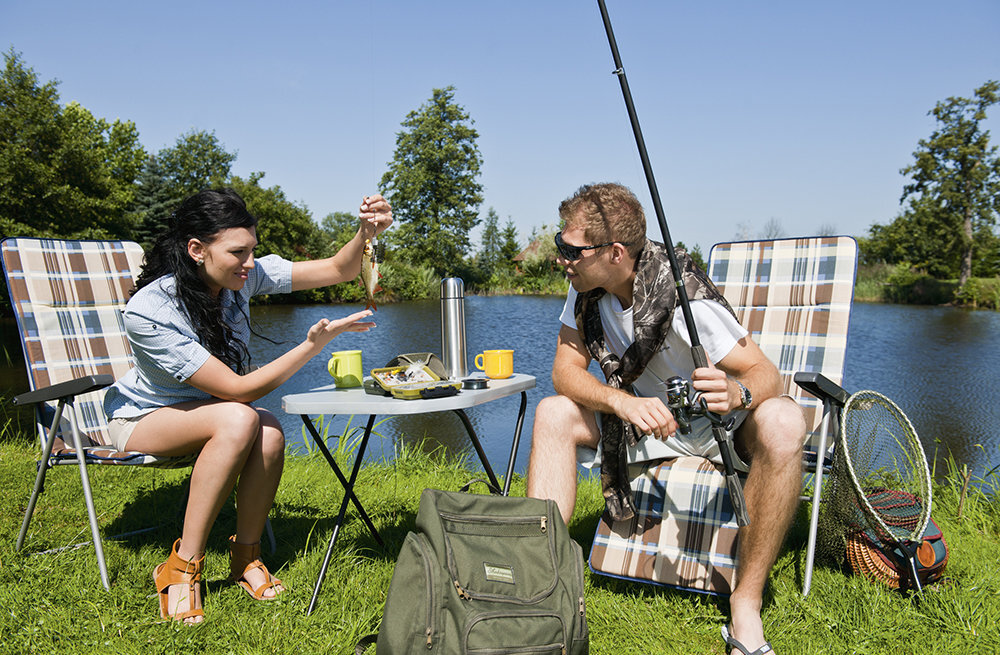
(800,112)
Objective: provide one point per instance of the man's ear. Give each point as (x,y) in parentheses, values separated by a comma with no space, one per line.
(618,253)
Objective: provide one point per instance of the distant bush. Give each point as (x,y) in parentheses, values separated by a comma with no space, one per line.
(871,281)
(908,286)
(979,292)
(405,281)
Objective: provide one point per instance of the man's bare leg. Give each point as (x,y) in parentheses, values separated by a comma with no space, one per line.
(560,426)
(773,435)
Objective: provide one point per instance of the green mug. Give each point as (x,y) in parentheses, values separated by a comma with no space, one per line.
(345,367)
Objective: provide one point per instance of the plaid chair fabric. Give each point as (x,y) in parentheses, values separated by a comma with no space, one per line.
(683,533)
(794,297)
(68,298)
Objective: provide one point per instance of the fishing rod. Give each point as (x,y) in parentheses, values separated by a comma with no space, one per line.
(697,350)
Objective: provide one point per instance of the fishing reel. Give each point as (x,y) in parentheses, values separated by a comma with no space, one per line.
(685,404)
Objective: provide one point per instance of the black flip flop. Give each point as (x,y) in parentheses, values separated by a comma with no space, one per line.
(732,642)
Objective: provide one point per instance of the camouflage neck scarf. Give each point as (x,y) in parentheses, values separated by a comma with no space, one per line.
(654,299)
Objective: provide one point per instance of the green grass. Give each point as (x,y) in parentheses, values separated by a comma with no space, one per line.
(54,603)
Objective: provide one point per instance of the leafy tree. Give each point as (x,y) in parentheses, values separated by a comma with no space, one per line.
(432,183)
(285,228)
(195,162)
(953,193)
(63,172)
(340,227)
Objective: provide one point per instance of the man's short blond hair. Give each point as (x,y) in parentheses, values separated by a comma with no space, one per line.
(608,212)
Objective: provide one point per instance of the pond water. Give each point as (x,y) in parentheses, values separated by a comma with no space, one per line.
(937,363)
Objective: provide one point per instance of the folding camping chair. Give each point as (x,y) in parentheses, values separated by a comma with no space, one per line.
(794,297)
(68,298)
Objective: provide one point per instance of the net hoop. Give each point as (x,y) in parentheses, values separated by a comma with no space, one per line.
(868,396)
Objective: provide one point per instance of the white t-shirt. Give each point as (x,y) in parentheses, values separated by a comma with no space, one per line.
(718,332)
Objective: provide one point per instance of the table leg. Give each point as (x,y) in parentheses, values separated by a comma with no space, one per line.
(479,449)
(348,487)
(348,497)
(517,441)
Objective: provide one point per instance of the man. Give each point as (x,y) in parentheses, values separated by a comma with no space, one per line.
(614,272)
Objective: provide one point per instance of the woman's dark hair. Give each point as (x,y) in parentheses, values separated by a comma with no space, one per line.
(202,217)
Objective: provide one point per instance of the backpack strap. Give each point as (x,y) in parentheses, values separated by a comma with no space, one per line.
(493,490)
(364,643)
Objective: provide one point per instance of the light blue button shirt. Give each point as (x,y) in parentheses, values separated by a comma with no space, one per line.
(167,350)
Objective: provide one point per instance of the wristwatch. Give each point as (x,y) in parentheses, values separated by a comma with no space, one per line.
(745,397)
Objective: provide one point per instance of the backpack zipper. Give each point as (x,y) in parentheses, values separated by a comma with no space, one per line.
(541,521)
(583,607)
(461,592)
(429,572)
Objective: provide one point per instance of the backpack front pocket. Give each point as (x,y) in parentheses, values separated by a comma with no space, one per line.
(534,632)
(500,558)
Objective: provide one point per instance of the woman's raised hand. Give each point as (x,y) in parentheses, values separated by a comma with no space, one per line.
(325,330)
(375,214)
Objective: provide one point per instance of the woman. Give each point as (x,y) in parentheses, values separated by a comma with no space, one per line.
(190,391)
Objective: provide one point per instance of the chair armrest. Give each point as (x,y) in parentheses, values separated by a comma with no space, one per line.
(822,387)
(68,389)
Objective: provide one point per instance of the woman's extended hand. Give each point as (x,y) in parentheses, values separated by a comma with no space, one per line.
(325,330)
(375,214)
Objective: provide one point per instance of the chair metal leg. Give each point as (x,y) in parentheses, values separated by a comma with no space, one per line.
(817,492)
(270,536)
(81,457)
(43,467)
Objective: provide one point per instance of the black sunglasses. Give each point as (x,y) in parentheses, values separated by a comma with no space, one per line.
(573,253)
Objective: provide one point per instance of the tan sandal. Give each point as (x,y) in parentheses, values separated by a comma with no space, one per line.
(244,558)
(177,570)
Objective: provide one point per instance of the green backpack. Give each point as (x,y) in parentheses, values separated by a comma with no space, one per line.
(485,574)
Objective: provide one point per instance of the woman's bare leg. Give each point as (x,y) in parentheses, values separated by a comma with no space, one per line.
(227,434)
(257,485)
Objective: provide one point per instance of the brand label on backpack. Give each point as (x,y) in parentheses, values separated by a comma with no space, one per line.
(499,573)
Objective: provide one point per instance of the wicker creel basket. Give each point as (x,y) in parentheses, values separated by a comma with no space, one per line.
(870,561)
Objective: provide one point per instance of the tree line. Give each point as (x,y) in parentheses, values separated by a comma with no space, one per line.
(951,199)
(65,173)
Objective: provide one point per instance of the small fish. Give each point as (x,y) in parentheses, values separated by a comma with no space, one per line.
(369,273)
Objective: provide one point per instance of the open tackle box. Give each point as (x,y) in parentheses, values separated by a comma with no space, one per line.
(412,376)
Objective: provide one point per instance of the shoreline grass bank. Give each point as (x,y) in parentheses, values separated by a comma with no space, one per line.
(882,283)
(55,602)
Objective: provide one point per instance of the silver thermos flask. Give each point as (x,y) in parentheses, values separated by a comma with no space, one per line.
(456,363)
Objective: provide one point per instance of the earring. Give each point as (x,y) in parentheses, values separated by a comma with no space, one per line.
(199,261)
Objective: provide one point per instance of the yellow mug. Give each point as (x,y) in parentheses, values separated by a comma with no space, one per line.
(345,367)
(498,364)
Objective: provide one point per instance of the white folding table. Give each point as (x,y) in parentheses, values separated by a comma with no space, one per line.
(330,400)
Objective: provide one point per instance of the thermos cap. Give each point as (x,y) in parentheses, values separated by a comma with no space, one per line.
(452,287)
